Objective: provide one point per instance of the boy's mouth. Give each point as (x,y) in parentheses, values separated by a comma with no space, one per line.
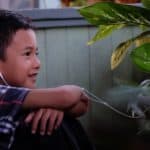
(33,76)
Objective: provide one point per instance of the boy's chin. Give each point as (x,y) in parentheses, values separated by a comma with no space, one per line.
(31,86)
(25,85)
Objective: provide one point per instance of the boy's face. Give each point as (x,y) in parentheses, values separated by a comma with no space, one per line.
(22,65)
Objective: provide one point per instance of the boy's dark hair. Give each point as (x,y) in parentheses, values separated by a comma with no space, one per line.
(10,23)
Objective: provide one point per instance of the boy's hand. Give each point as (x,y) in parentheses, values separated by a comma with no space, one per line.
(46,119)
(74,94)
(81,107)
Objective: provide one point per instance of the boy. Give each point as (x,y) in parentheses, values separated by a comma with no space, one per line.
(42,109)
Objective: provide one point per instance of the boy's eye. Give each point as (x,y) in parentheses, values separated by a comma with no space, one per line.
(37,53)
(27,53)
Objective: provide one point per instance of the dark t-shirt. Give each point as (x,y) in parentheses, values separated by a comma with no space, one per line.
(69,136)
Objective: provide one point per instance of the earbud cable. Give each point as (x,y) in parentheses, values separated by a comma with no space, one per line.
(96,99)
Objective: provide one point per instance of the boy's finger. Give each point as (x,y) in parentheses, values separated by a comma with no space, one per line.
(36,120)
(59,119)
(51,124)
(85,98)
(29,117)
(44,121)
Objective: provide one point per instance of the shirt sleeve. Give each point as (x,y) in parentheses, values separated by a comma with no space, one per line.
(11,99)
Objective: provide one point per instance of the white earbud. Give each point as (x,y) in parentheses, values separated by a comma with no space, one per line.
(3,79)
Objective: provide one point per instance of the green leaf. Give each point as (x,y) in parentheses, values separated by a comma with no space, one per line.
(142,40)
(104,31)
(146,3)
(143,34)
(120,52)
(107,13)
(141,57)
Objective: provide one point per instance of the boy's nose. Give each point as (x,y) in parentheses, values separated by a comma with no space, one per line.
(37,63)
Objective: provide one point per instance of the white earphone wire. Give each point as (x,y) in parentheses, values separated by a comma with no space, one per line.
(3,79)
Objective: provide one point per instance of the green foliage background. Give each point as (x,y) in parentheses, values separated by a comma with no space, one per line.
(109,17)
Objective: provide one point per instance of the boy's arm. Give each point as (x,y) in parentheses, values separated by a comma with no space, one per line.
(69,98)
(62,97)
(49,119)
